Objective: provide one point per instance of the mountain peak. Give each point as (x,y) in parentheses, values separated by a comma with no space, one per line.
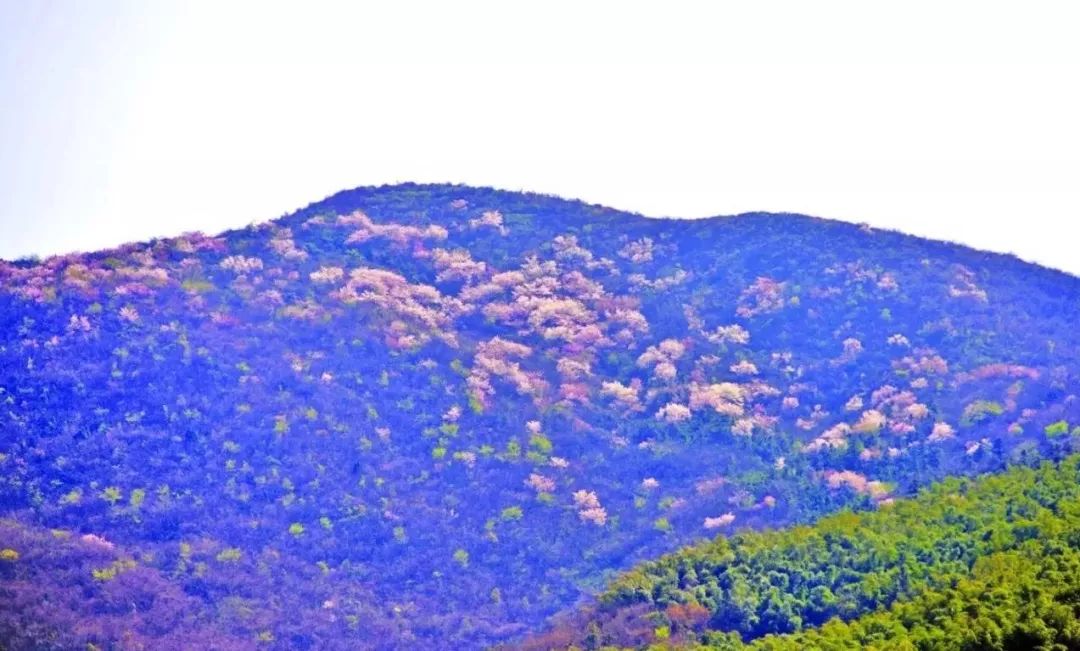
(437,414)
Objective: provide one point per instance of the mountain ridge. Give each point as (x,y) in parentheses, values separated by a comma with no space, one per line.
(448,413)
(347,197)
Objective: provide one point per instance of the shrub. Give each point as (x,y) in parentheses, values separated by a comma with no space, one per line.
(1059,428)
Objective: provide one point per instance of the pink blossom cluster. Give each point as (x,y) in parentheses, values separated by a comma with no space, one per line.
(96,541)
(457,265)
(567,249)
(138,280)
(269,298)
(420,308)
(78,323)
(576,284)
(567,307)
(1011,395)
(241,265)
(782,360)
(638,251)
(673,412)
(888,283)
(129,314)
(998,370)
(917,411)
(963,285)
(903,408)
(497,285)
(853,272)
(764,295)
(573,369)
(489,219)
(870,422)
(885,394)
(540,483)
(923,361)
(83,278)
(625,396)
(305,309)
(710,485)
(817,415)
(632,323)
(495,359)
(133,289)
(941,432)
(720,521)
(743,427)
(327,275)
(857,482)
(661,358)
(729,334)
(899,340)
(575,392)
(833,438)
(889,397)
(34,283)
(283,244)
(565,319)
(724,398)
(399,234)
(194,241)
(851,349)
(663,283)
(744,367)
(221,319)
(589,509)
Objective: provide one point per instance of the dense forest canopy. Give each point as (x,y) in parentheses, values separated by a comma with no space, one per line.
(992,563)
(440,415)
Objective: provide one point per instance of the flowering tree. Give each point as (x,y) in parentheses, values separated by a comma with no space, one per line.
(489,219)
(724,398)
(764,295)
(399,234)
(589,509)
(673,412)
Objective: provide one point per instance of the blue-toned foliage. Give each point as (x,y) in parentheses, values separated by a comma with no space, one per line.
(439,415)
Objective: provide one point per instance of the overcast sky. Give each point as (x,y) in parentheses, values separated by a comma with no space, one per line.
(126,120)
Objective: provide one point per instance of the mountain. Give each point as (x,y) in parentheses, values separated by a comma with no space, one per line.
(439,415)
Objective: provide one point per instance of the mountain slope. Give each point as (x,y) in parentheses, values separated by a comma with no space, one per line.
(992,563)
(443,414)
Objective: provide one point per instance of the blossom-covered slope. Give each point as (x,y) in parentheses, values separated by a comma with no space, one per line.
(439,414)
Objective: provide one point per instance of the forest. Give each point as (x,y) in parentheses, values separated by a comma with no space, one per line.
(986,563)
(442,416)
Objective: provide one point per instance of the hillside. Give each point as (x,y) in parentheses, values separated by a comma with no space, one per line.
(441,415)
(992,563)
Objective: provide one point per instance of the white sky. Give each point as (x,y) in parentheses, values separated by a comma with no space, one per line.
(124,120)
